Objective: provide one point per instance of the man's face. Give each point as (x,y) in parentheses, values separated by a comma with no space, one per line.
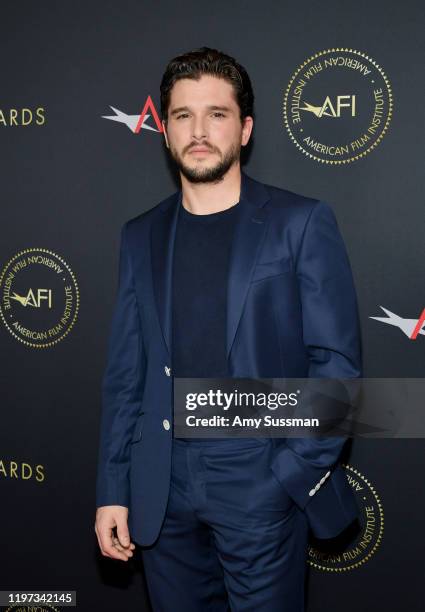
(204,132)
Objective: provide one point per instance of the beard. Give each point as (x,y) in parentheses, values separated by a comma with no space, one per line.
(212,174)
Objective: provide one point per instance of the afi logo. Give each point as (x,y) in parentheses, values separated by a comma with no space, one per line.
(332,110)
(411,327)
(136,122)
(41,295)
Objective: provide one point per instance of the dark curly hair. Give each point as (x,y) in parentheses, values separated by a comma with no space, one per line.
(193,64)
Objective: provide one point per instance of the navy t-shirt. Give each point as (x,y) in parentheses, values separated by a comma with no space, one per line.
(200,268)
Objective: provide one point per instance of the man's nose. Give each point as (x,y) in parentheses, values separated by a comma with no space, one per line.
(198,128)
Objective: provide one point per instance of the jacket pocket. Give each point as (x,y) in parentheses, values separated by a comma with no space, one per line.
(269,269)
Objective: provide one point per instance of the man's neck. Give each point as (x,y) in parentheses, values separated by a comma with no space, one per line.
(207,198)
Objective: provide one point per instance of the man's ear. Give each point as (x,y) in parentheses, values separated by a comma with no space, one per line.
(164,127)
(247,129)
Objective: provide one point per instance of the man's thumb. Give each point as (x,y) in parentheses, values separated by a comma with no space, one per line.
(123,535)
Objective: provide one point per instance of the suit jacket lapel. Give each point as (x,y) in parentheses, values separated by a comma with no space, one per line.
(247,240)
(249,233)
(162,248)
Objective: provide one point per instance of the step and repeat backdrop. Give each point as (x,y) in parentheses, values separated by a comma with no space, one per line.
(339,93)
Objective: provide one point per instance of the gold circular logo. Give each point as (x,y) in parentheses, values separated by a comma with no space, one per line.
(337,106)
(340,555)
(39,297)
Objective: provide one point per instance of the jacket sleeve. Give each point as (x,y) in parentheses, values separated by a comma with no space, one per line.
(121,389)
(331,335)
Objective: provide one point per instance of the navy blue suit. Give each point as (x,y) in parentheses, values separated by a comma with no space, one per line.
(291,312)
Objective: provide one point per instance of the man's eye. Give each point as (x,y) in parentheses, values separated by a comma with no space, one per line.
(217,113)
(182,115)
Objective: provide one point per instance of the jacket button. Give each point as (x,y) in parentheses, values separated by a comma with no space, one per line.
(166,424)
(167,370)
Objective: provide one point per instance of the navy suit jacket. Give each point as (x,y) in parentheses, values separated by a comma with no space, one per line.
(291,312)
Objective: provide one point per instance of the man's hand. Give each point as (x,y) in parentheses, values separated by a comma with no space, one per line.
(107,518)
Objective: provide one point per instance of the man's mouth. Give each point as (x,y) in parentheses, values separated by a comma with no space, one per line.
(199,150)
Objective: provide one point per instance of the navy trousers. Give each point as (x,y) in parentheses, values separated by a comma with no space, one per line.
(232,538)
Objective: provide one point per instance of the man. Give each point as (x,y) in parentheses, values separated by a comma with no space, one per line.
(226,277)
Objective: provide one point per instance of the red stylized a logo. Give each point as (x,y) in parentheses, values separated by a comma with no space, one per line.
(148,105)
(419,325)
